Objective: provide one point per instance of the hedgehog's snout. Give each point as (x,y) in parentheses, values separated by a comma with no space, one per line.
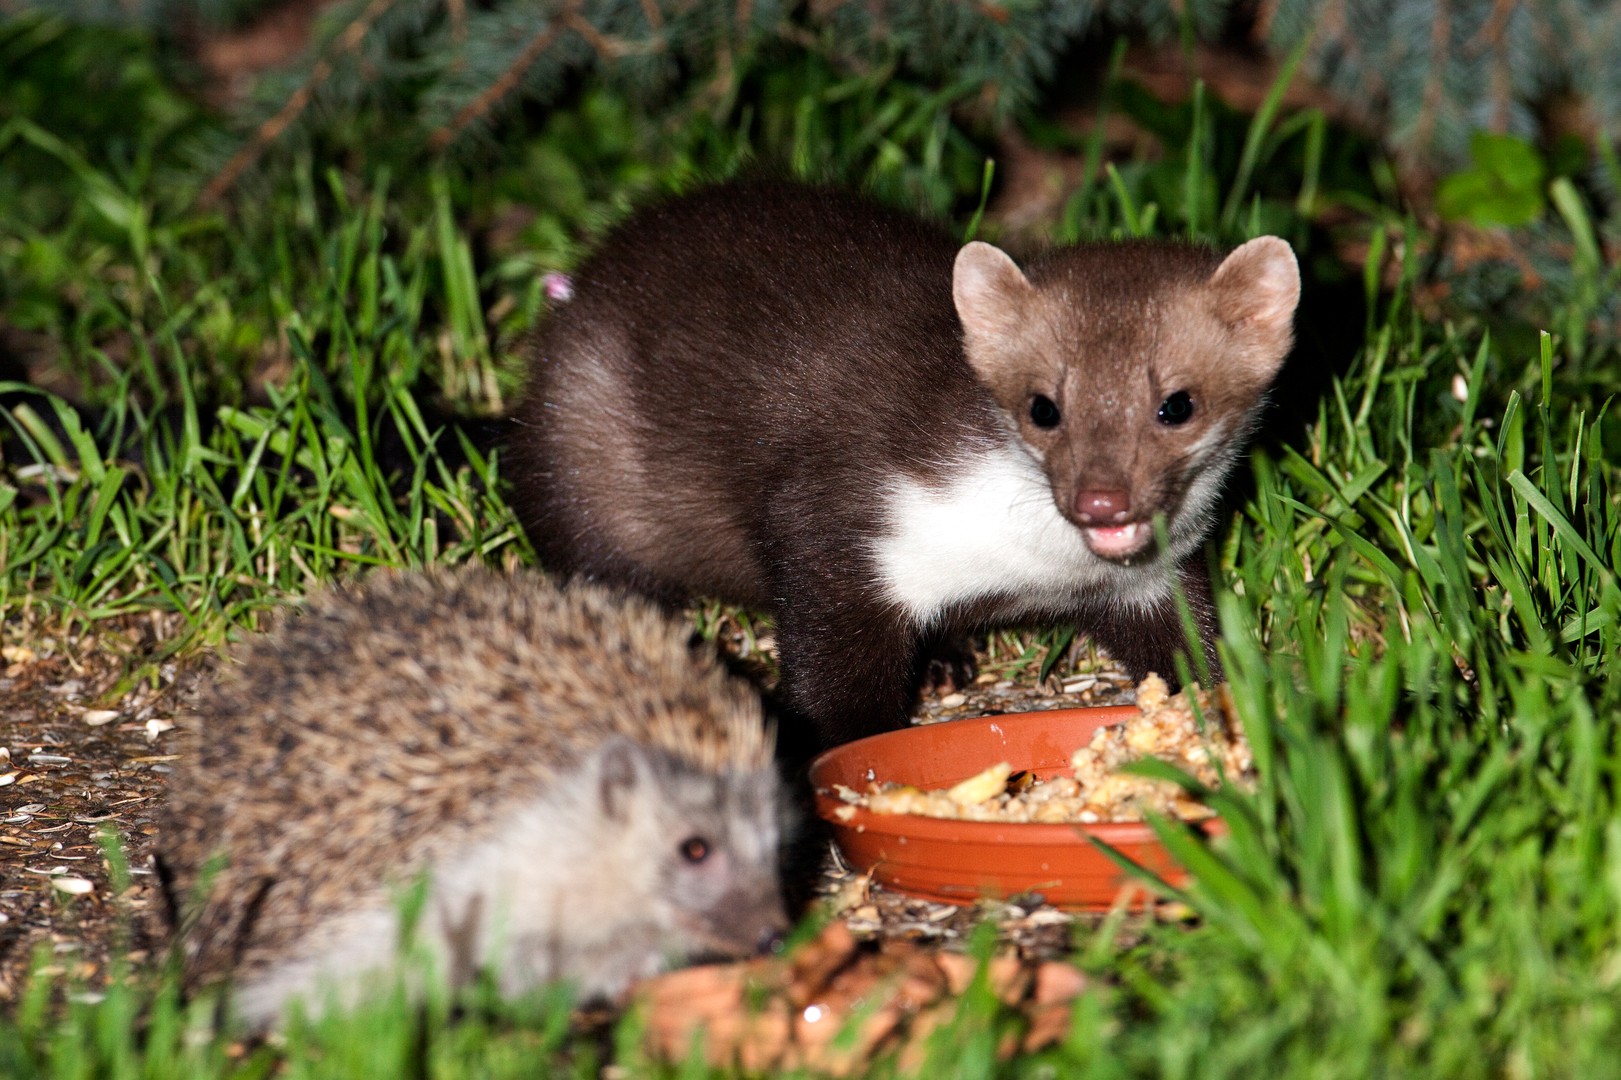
(770,940)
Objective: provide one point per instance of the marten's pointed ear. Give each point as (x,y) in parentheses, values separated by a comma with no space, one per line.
(1257,289)
(989,290)
(621,769)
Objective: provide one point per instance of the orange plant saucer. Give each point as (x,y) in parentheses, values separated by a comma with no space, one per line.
(960,862)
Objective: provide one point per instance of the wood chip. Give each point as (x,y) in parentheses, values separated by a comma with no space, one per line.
(835,1005)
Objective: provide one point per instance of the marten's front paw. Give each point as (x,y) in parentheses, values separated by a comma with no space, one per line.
(952,667)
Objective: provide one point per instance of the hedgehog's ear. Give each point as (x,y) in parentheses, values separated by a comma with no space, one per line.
(621,769)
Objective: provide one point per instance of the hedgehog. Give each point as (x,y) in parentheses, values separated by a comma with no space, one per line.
(577,791)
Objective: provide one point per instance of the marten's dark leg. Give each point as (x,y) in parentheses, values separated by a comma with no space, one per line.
(949,663)
(848,668)
(1151,640)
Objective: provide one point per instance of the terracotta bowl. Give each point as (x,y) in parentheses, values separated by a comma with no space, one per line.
(959,862)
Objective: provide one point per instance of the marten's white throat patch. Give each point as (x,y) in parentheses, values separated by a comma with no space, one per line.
(993,530)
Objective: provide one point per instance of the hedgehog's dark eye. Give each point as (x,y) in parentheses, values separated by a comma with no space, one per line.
(1176,409)
(1043,412)
(695,849)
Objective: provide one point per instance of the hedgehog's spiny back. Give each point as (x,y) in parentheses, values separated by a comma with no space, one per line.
(672,695)
(396,717)
(469,656)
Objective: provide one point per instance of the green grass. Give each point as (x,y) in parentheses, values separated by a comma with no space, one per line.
(1421,623)
(233,506)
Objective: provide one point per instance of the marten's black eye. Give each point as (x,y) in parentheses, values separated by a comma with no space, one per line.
(1043,412)
(1176,409)
(695,849)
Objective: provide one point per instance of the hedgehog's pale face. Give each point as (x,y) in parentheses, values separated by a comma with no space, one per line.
(720,879)
(717,873)
(630,861)
(697,850)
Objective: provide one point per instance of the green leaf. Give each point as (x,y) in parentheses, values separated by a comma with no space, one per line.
(1504,186)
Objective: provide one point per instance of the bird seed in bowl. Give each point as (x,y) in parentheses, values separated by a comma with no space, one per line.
(1167,727)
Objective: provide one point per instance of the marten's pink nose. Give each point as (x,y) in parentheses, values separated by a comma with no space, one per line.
(1102,507)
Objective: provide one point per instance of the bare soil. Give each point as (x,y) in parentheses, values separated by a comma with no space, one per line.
(84,756)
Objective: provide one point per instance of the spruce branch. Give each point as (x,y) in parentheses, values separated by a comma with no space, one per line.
(607,46)
(1420,74)
(1491,33)
(1435,77)
(1502,82)
(271,130)
(1491,41)
(500,88)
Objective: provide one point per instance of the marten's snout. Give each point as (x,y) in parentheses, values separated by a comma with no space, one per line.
(1105,518)
(1102,506)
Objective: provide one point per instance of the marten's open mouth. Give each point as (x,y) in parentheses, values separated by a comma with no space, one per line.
(1118,541)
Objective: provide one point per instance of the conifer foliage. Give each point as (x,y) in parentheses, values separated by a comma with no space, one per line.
(1426,74)
(446,70)
(1422,74)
